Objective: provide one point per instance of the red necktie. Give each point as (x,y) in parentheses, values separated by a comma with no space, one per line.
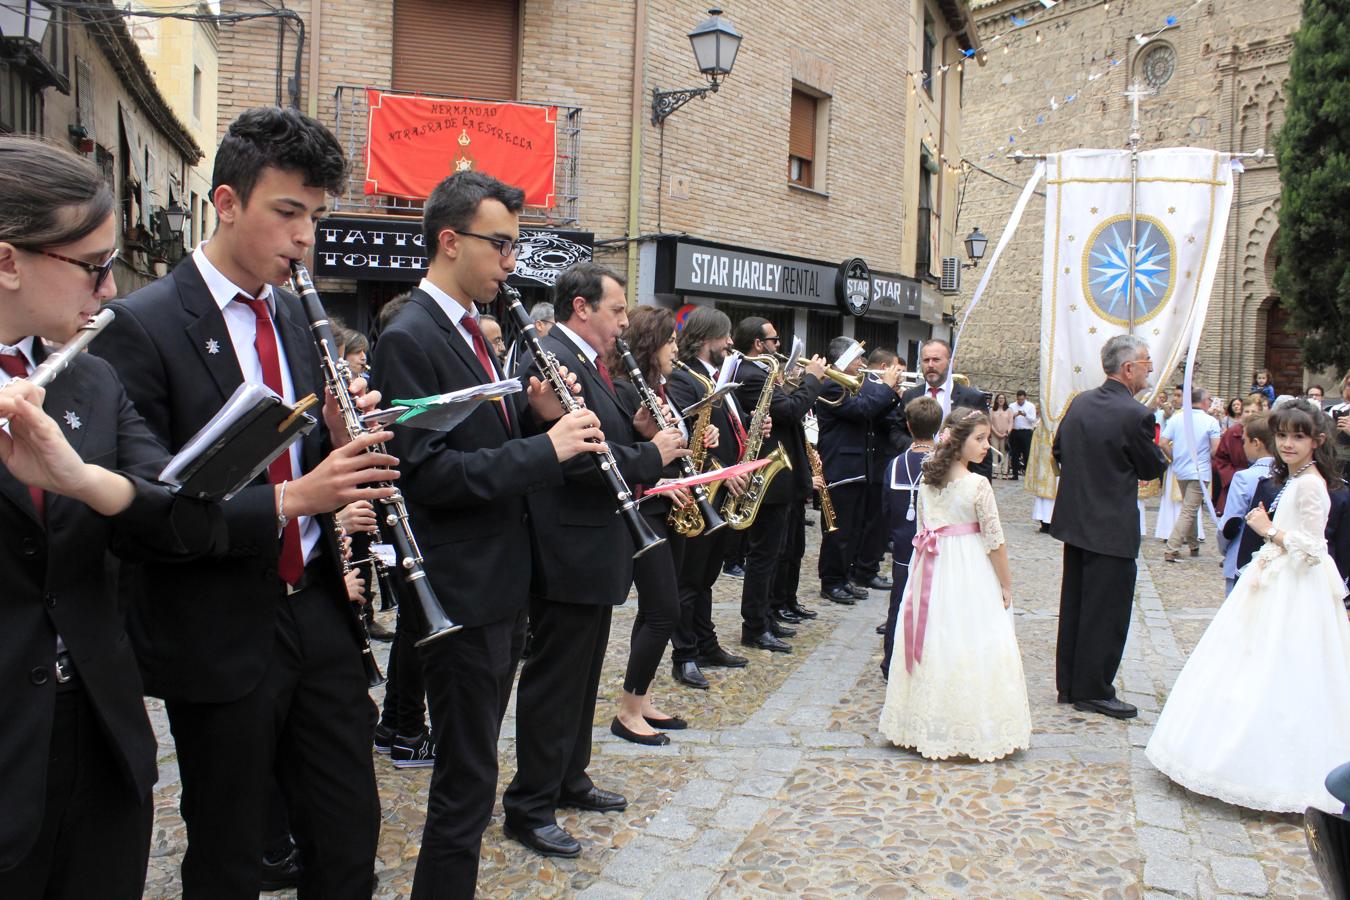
(604,373)
(934,391)
(291,565)
(15,366)
(481,351)
(737,427)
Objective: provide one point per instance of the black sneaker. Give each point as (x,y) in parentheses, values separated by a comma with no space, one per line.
(734,571)
(413,753)
(384,738)
(282,870)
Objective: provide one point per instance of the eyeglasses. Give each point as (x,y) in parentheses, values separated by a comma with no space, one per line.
(774,339)
(505,246)
(100,271)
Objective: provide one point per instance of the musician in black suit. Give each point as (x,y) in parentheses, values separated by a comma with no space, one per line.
(935,359)
(772,559)
(77,750)
(583,570)
(1104,447)
(704,341)
(847,443)
(876,536)
(465,491)
(257,656)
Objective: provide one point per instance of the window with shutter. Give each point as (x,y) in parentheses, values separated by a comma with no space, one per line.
(457,47)
(802,139)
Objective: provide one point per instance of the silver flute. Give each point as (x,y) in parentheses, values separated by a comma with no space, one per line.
(56,363)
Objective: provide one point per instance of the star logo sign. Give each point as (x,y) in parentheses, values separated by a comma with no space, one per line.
(72,420)
(212,346)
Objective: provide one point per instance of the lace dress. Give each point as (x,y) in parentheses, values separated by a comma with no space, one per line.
(961,691)
(1261,711)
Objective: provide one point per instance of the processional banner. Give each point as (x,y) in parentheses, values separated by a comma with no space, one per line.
(1184,195)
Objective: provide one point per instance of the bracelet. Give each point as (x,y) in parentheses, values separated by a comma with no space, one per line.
(281,506)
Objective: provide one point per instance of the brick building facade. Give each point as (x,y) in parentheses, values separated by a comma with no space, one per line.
(1218,76)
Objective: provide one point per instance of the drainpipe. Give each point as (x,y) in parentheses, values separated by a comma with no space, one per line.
(315,15)
(638,123)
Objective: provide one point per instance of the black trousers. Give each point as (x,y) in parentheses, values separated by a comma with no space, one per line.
(468,678)
(899,574)
(763,546)
(555,705)
(788,572)
(875,533)
(838,547)
(95,835)
(311,721)
(405,709)
(656,575)
(1095,599)
(1019,445)
(701,565)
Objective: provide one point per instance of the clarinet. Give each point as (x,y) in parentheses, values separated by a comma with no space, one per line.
(56,363)
(643,535)
(711,520)
(394,525)
(374,677)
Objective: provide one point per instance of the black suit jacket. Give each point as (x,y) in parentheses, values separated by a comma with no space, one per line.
(787,410)
(465,488)
(849,432)
(585,550)
(204,632)
(55,581)
(969,397)
(1104,447)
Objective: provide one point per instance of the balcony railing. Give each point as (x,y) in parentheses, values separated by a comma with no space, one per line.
(352,117)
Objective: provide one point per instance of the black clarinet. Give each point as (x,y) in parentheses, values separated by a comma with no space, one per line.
(711,520)
(643,536)
(374,677)
(394,525)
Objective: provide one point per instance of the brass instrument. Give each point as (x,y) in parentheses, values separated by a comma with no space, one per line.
(850,383)
(740,511)
(688,521)
(826,504)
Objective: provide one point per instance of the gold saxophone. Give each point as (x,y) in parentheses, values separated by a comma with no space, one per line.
(688,521)
(740,511)
(818,471)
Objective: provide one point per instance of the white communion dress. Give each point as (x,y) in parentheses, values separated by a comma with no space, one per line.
(1260,714)
(956,686)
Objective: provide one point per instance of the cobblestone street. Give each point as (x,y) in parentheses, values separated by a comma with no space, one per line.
(783,785)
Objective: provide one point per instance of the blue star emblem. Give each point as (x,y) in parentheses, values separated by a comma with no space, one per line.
(1106,269)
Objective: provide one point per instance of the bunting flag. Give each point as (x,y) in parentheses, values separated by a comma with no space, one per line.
(1184,195)
(414,142)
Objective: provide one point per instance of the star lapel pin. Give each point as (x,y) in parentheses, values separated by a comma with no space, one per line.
(212,346)
(72,420)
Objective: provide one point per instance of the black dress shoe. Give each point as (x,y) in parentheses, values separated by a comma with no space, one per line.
(595,799)
(688,673)
(781,631)
(881,629)
(800,611)
(874,582)
(378,632)
(1045,528)
(1116,709)
(857,591)
(765,641)
(784,615)
(1063,698)
(674,723)
(734,571)
(618,729)
(839,595)
(282,871)
(550,840)
(720,658)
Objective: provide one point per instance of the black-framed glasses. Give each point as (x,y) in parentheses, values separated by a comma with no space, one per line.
(100,271)
(775,339)
(505,246)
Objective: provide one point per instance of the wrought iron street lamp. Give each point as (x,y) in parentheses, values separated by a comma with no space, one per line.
(976,243)
(25,19)
(715,42)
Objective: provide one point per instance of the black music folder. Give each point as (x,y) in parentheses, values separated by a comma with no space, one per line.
(254,427)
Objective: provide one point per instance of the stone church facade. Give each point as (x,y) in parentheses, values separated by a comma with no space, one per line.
(1218,79)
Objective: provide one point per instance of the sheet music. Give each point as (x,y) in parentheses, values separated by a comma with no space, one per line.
(244,399)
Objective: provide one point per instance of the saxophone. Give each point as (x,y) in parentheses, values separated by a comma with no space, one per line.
(688,521)
(826,504)
(740,511)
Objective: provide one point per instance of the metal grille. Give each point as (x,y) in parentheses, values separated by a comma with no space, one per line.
(352,117)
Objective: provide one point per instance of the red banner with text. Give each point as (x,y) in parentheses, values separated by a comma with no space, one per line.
(414,142)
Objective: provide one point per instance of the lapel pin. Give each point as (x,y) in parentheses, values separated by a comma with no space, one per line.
(72,420)
(212,346)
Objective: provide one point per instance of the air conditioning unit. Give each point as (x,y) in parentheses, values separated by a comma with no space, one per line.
(951,275)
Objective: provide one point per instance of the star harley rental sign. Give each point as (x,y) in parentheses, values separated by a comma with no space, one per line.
(414,142)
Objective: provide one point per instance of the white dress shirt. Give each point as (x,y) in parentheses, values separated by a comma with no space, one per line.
(456,313)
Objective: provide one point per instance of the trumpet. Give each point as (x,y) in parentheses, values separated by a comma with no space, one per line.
(851,384)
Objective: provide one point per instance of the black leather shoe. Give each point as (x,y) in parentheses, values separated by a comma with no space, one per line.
(674,723)
(550,840)
(800,611)
(860,592)
(734,571)
(839,595)
(720,658)
(1063,698)
(595,800)
(688,673)
(1116,709)
(781,631)
(765,641)
(378,632)
(875,582)
(881,629)
(618,729)
(282,872)
(784,615)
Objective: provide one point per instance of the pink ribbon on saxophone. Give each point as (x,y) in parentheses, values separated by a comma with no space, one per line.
(925,554)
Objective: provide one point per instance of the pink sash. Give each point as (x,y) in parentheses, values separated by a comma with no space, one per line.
(925,554)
